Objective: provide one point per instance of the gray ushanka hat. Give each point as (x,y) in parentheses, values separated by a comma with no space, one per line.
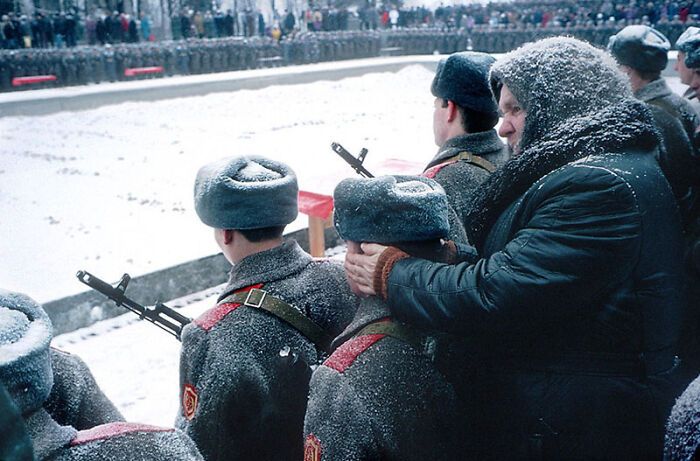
(689,43)
(390,209)
(249,192)
(25,364)
(641,48)
(464,79)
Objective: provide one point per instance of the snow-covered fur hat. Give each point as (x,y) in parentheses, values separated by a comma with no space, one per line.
(25,364)
(250,192)
(689,43)
(390,209)
(682,427)
(463,79)
(641,48)
(558,78)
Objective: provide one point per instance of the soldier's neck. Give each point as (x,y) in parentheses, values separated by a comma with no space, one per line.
(243,248)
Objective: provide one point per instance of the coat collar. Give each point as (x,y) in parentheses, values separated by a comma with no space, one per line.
(653,90)
(369,311)
(616,128)
(485,144)
(47,435)
(267,266)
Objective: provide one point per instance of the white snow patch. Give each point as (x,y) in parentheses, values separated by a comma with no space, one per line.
(109,190)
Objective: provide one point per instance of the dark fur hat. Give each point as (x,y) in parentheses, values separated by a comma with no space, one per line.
(25,364)
(463,79)
(249,192)
(641,48)
(390,209)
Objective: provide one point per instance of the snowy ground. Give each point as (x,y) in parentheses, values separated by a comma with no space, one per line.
(109,190)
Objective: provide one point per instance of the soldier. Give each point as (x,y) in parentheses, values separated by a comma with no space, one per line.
(26,372)
(244,368)
(463,126)
(379,395)
(643,53)
(684,44)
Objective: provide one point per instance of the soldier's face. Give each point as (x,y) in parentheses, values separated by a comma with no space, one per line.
(684,73)
(513,122)
(440,116)
(695,82)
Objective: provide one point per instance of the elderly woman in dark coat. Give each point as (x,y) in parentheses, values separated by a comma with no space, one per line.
(576,301)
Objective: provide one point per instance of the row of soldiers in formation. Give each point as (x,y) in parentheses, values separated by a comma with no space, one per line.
(92,64)
(511,302)
(84,65)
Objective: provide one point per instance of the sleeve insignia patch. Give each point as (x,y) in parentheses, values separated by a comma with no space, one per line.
(189,401)
(312,448)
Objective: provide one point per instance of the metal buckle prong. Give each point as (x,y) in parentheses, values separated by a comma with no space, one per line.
(249,303)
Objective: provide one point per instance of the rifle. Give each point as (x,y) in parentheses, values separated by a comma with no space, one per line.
(355,163)
(160,315)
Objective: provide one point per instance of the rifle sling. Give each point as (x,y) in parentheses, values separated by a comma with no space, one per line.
(474,160)
(396,330)
(261,299)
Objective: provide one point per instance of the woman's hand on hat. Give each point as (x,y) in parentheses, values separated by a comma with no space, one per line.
(360,268)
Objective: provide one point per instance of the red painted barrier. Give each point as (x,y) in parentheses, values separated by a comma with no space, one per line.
(132,71)
(19,81)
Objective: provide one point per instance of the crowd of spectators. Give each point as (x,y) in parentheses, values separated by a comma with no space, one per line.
(66,29)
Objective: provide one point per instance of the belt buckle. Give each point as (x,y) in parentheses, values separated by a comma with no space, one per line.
(252,293)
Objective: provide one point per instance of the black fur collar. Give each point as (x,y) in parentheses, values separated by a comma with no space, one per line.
(617,128)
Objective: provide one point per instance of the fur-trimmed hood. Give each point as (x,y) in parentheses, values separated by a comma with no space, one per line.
(556,79)
(617,128)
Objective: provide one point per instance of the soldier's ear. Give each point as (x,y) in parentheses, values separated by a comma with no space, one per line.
(228,236)
(452,110)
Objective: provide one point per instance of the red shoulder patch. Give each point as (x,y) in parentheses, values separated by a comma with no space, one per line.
(433,171)
(109,430)
(349,351)
(214,315)
(190,399)
(312,448)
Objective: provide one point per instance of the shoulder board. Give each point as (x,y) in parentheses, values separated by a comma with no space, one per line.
(109,430)
(349,351)
(434,170)
(213,316)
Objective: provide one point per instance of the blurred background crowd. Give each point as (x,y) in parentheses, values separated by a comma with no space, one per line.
(98,40)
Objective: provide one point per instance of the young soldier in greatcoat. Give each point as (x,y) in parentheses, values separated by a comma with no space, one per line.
(463,126)
(683,45)
(25,371)
(245,363)
(642,53)
(577,299)
(380,395)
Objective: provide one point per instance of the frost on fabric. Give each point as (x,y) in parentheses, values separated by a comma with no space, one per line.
(412,188)
(255,172)
(14,325)
(557,78)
